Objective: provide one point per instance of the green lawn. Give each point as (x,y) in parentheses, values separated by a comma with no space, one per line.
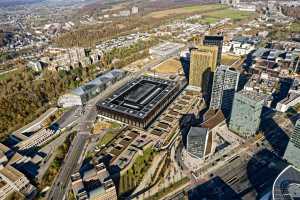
(209,20)
(228,13)
(115,125)
(3,76)
(134,175)
(109,135)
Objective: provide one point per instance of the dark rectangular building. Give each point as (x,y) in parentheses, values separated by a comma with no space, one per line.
(215,40)
(139,101)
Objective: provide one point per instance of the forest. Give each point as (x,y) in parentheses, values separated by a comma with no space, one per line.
(25,95)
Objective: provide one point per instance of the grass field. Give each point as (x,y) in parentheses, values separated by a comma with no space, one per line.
(109,135)
(112,131)
(228,13)
(3,76)
(170,66)
(185,10)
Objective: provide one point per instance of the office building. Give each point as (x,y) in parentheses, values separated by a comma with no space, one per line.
(139,101)
(214,41)
(292,152)
(198,142)
(246,112)
(286,186)
(224,87)
(202,65)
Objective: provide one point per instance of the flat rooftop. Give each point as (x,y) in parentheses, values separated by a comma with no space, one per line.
(256,96)
(139,97)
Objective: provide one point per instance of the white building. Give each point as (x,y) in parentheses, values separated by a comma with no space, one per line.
(37,139)
(35,66)
(134,10)
(165,49)
(291,100)
(246,7)
(124,13)
(84,93)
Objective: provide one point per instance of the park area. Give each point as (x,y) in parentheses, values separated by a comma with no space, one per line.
(133,176)
(111,130)
(170,66)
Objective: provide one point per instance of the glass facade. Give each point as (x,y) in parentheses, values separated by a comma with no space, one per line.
(246,113)
(292,152)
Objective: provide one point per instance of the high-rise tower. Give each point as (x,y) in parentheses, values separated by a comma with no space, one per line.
(217,40)
(223,89)
(246,112)
(202,65)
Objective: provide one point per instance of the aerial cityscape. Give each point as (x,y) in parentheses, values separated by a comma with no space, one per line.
(150,99)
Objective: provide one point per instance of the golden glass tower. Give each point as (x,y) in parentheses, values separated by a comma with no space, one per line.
(202,66)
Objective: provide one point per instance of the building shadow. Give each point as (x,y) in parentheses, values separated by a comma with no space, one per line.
(214,189)
(262,170)
(248,61)
(186,67)
(243,79)
(206,84)
(28,168)
(282,91)
(273,133)
(185,123)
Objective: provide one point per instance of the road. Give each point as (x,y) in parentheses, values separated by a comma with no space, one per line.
(59,187)
(77,149)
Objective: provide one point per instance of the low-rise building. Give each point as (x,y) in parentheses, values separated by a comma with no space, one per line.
(84,93)
(11,180)
(35,66)
(165,49)
(36,139)
(134,10)
(291,100)
(94,184)
(124,13)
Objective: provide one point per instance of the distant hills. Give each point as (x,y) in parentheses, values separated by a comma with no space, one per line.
(8,3)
